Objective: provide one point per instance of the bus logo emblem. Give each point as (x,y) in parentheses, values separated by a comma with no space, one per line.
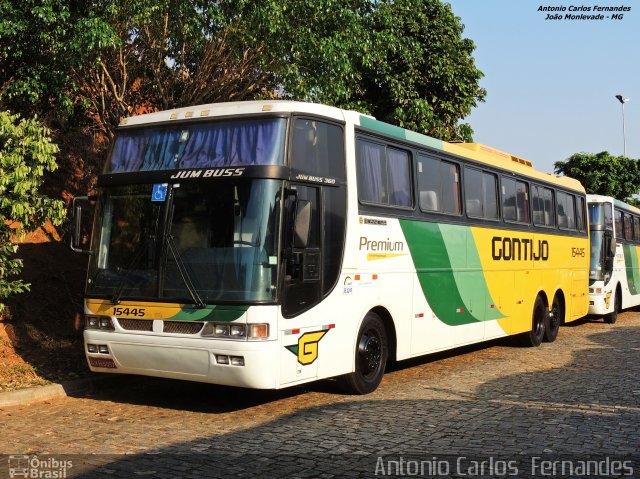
(307,348)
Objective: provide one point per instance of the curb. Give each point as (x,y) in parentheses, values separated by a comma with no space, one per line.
(22,397)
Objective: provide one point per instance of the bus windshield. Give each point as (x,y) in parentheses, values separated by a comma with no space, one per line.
(222,236)
(596,270)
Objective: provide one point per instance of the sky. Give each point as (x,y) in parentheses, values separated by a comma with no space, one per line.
(551,84)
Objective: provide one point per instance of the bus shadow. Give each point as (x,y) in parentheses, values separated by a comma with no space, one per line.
(586,409)
(173,394)
(44,325)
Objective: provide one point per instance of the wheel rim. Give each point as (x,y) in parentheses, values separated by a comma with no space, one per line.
(369,353)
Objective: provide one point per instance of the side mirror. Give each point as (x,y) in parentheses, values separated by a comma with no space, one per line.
(608,265)
(76,233)
(612,247)
(302,224)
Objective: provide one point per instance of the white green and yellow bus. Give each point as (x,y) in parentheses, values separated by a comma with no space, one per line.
(268,244)
(614,277)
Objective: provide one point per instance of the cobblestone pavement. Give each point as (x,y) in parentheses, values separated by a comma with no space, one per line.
(577,399)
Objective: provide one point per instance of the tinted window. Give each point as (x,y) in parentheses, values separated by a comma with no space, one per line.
(636,228)
(515,200)
(384,174)
(399,175)
(372,172)
(566,211)
(481,200)
(628,226)
(439,185)
(582,224)
(618,223)
(318,148)
(543,210)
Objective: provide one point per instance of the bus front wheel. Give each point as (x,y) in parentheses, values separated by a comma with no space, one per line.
(371,356)
(612,317)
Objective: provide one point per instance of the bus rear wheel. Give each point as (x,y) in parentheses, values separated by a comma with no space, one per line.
(612,317)
(371,356)
(538,321)
(554,319)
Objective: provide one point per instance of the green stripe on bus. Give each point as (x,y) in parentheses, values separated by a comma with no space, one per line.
(400,133)
(210,313)
(631,266)
(449,271)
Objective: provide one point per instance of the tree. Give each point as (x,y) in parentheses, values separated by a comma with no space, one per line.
(26,152)
(603,174)
(404,61)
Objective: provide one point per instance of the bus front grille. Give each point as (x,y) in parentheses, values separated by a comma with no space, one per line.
(136,324)
(182,327)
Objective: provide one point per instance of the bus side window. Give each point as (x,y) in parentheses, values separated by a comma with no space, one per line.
(618,224)
(515,200)
(372,172)
(438,185)
(582,224)
(628,226)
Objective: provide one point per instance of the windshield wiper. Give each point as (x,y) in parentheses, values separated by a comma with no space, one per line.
(120,290)
(184,273)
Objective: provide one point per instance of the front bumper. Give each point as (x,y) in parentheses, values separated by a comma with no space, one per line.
(192,359)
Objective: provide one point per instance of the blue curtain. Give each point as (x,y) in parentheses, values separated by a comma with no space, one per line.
(236,143)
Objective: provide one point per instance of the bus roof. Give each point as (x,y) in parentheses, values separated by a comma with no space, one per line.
(609,199)
(475,151)
(213,110)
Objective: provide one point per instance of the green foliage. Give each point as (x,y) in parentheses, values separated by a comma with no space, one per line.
(26,152)
(404,61)
(603,174)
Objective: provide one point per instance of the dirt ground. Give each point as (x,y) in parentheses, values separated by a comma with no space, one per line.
(41,330)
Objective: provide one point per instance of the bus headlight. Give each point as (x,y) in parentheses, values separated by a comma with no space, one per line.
(99,322)
(236,331)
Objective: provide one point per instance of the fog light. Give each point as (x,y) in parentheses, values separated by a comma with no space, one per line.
(258,331)
(103,349)
(598,290)
(92,348)
(222,359)
(237,360)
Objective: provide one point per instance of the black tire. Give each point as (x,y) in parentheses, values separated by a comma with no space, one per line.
(372,351)
(612,317)
(534,337)
(554,319)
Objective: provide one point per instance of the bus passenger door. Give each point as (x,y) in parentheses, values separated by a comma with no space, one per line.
(302,284)
(302,255)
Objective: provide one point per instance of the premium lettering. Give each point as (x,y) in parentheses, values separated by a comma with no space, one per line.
(387,245)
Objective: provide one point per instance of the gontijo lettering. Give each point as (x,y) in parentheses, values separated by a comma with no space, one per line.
(519,249)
